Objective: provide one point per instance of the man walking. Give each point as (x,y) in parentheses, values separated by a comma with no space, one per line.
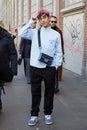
(58,75)
(50,45)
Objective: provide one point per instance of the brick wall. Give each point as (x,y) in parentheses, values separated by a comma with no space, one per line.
(61,4)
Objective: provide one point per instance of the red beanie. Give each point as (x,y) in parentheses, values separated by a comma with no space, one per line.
(42,11)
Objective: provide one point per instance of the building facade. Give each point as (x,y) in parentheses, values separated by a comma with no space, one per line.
(17,12)
(1,10)
(72,19)
(74,32)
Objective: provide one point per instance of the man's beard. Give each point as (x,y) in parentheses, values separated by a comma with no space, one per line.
(54,27)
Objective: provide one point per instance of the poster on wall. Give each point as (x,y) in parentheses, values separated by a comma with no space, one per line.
(73,33)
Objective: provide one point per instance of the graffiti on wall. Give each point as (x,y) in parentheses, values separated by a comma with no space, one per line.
(75,31)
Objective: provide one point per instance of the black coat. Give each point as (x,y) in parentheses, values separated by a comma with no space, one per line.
(8,55)
(25,48)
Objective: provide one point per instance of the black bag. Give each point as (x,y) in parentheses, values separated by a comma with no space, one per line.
(43,57)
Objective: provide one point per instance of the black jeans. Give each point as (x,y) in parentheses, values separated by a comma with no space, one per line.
(56,80)
(48,75)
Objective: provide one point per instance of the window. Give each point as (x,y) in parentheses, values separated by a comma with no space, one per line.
(71,2)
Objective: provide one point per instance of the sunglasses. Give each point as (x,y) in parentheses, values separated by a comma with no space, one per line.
(53,21)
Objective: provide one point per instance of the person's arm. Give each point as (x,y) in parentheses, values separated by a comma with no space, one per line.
(58,52)
(26,31)
(19,45)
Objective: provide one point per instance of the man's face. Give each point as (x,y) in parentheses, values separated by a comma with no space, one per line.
(44,21)
(53,22)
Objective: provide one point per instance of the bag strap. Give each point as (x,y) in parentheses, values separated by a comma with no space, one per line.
(39,39)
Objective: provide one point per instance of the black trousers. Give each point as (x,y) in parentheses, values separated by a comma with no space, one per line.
(48,75)
(56,80)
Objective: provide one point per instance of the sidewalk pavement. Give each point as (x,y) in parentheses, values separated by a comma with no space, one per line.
(70,105)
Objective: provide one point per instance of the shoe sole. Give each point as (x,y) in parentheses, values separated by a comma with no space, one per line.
(48,123)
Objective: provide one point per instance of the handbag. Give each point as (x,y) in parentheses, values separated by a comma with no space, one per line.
(42,56)
(45,58)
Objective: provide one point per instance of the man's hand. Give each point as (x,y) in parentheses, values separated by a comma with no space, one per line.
(34,19)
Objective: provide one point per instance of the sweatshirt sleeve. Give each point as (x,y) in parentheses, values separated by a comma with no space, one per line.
(58,53)
(26,32)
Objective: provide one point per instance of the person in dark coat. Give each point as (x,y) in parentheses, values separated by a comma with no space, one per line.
(8,59)
(58,76)
(24,49)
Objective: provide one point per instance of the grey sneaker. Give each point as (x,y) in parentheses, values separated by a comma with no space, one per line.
(33,121)
(48,120)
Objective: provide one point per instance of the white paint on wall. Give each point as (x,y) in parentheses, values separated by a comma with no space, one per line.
(73,32)
(47,4)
